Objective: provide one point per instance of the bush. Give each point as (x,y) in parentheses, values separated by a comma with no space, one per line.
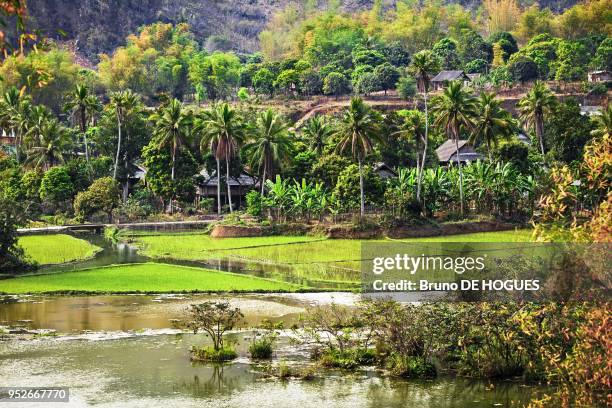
(347,359)
(225,353)
(411,367)
(56,186)
(101,196)
(261,349)
(254,203)
(406,87)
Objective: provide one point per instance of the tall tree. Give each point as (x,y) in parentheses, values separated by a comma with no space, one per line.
(77,106)
(535,107)
(424,64)
(317,130)
(122,103)
(491,121)
(49,148)
(455,110)
(413,128)
(224,130)
(359,129)
(172,126)
(271,144)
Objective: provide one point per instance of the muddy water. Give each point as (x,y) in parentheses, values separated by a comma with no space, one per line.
(68,314)
(153,370)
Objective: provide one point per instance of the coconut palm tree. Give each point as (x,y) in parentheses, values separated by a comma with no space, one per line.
(359,129)
(491,122)
(413,128)
(317,130)
(535,107)
(171,128)
(49,147)
(603,123)
(271,144)
(77,106)
(455,110)
(223,133)
(122,104)
(14,108)
(424,64)
(93,107)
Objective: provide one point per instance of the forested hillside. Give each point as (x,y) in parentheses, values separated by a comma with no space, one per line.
(102,25)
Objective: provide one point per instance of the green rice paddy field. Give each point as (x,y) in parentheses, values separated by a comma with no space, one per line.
(56,249)
(148,277)
(305,259)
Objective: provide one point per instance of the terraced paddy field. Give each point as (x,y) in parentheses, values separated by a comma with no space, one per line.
(148,278)
(56,248)
(196,262)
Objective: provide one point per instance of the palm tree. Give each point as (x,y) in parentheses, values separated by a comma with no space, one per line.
(172,126)
(455,109)
(491,121)
(317,130)
(77,105)
(603,123)
(38,118)
(535,107)
(424,64)
(14,107)
(224,131)
(93,107)
(50,146)
(271,144)
(413,127)
(358,129)
(122,103)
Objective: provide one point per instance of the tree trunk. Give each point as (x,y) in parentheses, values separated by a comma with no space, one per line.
(362,195)
(118,146)
(263,178)
(83,130)
(539,127)
(422,167)
(227,181)
(218,186)
(460,173)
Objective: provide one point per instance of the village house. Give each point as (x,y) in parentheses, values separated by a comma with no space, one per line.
(384,171)
(239,186)
(447,152)
(444,77)
(600,76)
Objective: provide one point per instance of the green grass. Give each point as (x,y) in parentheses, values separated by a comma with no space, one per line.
(148,277)
(56,249)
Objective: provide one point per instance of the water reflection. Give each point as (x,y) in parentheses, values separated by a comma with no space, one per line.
(155,371)
(134,312)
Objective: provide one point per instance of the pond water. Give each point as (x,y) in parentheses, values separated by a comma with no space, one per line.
(153,369)
(123,351)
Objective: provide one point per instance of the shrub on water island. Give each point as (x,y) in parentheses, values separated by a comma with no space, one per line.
(226,353)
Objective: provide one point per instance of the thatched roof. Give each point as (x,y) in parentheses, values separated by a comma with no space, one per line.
(383,170)
(244,179)
(447,152)
(444,76)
